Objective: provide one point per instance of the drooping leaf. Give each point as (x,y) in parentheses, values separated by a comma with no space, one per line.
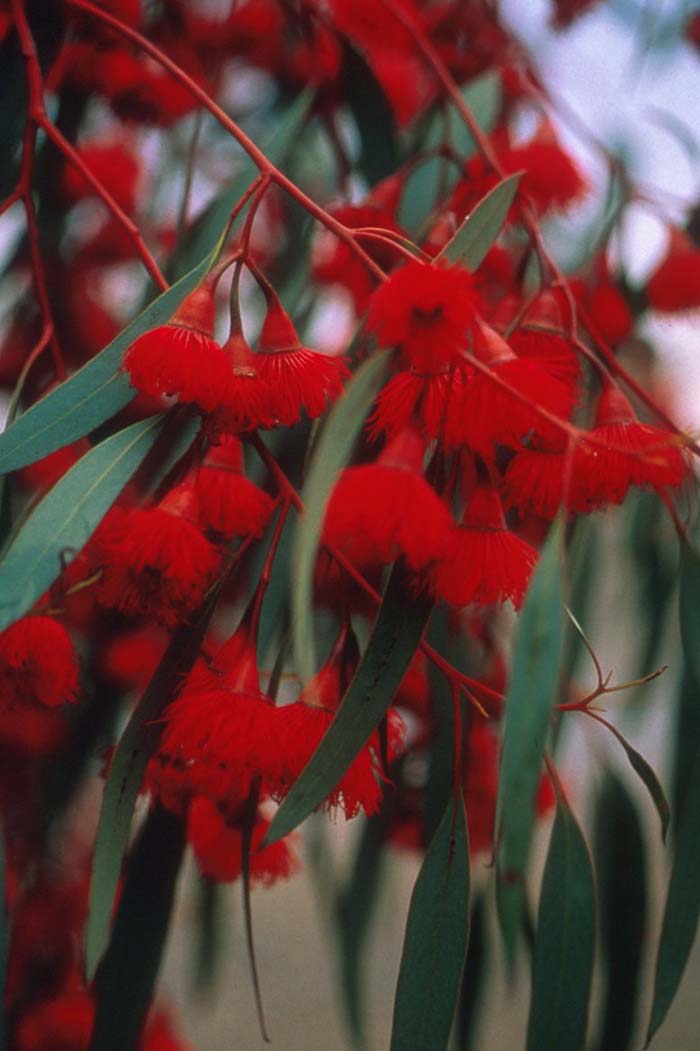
(682,910)
(689,609)
(471,999)
(202,238)
(435,943)
(209,936)
(686,738)
(645,773)
(354,909)
(620,862)
(95,392)
(531,693)
(135,747)
(652,545)
(126,979)
(333,450)
(397,631)
(64,520)
(482,226)
(379,152)
(565,946)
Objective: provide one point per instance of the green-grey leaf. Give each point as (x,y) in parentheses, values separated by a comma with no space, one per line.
(395,637)
(126,980)
(332,452)
(682,909)
(531,693)
(646,775)
(621,871)
(565,945)
(435,944)
(689,608)
(136,745)
(64,520)
(482,226)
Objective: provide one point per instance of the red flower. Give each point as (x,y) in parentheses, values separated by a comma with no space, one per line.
(485,562)
(38,664)
(428,310)
(217,840)
(221,732)
(534,482)
(61,1024)
(229,503)
(298,379)
(156,563)
(485,413)
(182,357)
(675,284)
(410,398)
(380,511)
(638,454)
(132,657)
(245,399)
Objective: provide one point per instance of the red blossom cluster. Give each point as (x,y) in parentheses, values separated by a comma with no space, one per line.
(506,404)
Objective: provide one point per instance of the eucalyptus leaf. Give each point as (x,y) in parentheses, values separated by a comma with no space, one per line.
(682,909)
(477,234)
(435,944)
(332,451)
(531,693)
(61,524)
(396,634)
(565,945)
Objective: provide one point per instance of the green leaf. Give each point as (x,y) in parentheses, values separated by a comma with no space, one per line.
(332,452)
(620,859)
(126,980)
(531,693)
(644,772)
(689,609)
(374,117)
(435,944)
(64,520)
(202,238)
(396,634)
(354,910)
(94,393)
(136,745)
(565,946)
(682,909)
(482,226)
(474,978)
(686,738)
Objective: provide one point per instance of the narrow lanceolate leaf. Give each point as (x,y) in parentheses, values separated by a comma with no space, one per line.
(531,694)
(94,393)
(64,520)
(435,944)
(482,226)
(136,745)
(565,946)
(621,871)
(394,639)
(333,450)
(646,775)
(126,980)
(682,909)
(689,603)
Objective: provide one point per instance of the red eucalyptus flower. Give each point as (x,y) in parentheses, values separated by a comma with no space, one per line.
(485,563)
(298,379)
(428,311)
(156,562)
(38,664)
(182,357)
(229,503)
(380,511)
(675,284)
(216,838)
